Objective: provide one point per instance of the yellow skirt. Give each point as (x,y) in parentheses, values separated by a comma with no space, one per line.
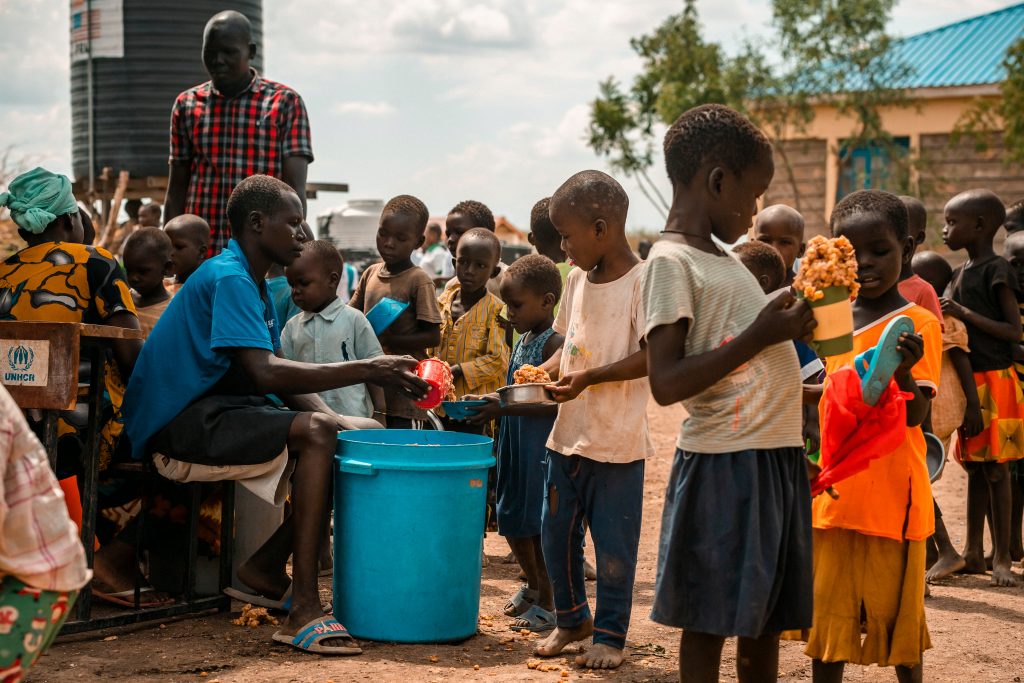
(868,600)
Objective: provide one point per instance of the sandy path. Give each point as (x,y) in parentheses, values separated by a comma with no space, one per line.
(978,631)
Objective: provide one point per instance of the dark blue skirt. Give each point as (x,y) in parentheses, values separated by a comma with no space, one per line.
(735,556)
(520,476)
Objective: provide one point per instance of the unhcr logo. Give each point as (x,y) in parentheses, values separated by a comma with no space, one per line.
(19,361)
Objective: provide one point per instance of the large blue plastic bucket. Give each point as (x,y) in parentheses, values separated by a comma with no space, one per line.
(408,525)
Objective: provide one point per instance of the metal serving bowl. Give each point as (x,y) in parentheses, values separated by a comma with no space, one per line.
(525,394)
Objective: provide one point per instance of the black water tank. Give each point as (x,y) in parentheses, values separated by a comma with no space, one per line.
(133,95)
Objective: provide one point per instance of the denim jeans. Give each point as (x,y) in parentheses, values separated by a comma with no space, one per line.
(609,496)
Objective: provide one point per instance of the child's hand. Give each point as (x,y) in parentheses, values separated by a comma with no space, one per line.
(784,318)
(486,413)
(952,308)
(812,436)
(911,347)
(974,423)
(569,386)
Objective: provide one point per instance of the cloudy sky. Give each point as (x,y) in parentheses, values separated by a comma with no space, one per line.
(444,99)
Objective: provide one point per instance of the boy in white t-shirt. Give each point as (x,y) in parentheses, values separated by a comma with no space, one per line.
(597,447)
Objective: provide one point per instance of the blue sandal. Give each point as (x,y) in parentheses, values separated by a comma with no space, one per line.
(877,365)
(310,636)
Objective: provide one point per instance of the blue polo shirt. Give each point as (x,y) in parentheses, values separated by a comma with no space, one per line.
(219,308)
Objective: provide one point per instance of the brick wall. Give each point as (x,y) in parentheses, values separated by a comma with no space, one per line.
(807,159)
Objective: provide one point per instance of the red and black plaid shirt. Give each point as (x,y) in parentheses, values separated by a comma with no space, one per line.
(229,139)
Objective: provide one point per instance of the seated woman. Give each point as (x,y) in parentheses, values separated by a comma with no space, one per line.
(59,278)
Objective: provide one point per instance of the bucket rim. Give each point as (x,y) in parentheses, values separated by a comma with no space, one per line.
(442,466)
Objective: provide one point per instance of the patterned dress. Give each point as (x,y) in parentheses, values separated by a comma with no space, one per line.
(72,283)
(521,455)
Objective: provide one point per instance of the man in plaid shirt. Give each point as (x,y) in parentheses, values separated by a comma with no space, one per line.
(235,125)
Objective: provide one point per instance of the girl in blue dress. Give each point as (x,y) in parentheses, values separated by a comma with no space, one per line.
(530,288)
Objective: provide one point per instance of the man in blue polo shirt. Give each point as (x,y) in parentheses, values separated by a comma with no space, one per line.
(197,401)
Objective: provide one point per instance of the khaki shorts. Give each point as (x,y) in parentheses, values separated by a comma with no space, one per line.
(269,480)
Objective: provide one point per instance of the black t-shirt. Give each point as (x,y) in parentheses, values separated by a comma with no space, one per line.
(975,288)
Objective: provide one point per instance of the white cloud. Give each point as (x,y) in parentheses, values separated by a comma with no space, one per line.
(361,108)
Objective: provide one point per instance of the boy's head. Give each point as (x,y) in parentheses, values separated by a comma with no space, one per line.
(432,235)
(476,259)
(643,248)
(972,218)
(150,214)
(190,242)
(543,235)
(722,163)
(1014,217)
(875,222)
(589,212)
(782,227)
(531,288)
(314,275)
(917,219)
(463,217)
(1013,252)
(764,262)
(147,260)
(131,207)
(933,269)
(266,215)
(402,224)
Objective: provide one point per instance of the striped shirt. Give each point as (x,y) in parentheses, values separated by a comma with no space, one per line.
(475,342)
(40,545)
(757,405)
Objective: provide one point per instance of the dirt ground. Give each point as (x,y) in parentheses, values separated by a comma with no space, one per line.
(977,631)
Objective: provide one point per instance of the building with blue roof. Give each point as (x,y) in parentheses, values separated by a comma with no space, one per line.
(949,69)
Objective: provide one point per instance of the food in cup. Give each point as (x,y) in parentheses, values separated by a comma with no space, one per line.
(826,263)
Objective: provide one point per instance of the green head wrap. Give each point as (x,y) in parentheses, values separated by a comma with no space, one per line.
(37,197)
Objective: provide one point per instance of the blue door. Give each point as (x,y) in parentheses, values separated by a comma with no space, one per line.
(869,167)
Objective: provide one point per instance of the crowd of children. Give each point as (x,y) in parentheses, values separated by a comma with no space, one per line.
(745,551)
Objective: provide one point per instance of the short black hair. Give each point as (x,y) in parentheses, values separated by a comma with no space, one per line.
(484,235)
(434,227)
(477,212)
(407,205)
(886,205)
(328,255)
(917,215)
(984,204)
(933,269)
(148,241)
(258,192)
(537,273)
(152,206)
(193,227)
(543,229)
(715,134)
(762,259)
(593,195)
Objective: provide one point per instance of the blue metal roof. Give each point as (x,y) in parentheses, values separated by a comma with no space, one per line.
(969,52)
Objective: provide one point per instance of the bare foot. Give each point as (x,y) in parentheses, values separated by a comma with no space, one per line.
(262,581)
(301,615)
(974,563)
(600,656)
(944,566)
(560,637)
(588,571)
(1002,577)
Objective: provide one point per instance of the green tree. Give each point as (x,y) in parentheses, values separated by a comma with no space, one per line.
(1006,113)
(828,50)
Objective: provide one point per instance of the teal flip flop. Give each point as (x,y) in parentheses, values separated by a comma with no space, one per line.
(536,620)
(877,365)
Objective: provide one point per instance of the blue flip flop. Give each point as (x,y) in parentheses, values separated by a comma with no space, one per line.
(536,620)
(877,365)
(310,636)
